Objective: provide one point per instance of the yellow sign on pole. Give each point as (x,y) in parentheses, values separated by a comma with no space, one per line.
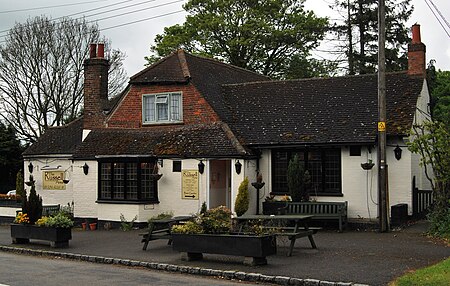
(381,126)
(53,180)
(189,184)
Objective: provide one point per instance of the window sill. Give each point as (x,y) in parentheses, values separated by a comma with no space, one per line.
(327,195)
(126,202)
(162,123)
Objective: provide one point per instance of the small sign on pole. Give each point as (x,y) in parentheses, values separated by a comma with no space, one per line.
(381,126)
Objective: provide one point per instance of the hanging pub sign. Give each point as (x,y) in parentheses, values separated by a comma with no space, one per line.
(189,184)
(53,180)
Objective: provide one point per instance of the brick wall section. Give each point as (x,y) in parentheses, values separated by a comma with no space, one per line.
(196,110)
(95,92)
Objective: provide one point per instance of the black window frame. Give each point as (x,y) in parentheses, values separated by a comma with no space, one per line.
(139,198)
(329,158)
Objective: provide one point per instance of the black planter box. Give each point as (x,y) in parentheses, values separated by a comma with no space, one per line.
(254,248)
(58,237)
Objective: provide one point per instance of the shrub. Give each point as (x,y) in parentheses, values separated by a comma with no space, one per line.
(217,220)
(164,215)
(203,209)
(33,204)
(298,180)
(190,227)
(242,199)
(440,223)
(59,220)
(19,184)
(124,224)
(42,221)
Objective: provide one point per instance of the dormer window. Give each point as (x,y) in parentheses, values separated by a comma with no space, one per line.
(162,108)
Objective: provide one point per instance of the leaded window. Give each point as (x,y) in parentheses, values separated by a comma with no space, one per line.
(162,108)
(324,166)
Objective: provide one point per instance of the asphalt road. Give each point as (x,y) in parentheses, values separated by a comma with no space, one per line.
(36,271)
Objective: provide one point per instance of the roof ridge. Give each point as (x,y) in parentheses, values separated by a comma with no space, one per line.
(310,79)
(66,125)
(183,63)
(228,65)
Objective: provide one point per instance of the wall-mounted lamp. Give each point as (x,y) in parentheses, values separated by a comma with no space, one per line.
(398,152)
(201,167)
(30,167)
(85,168)
(161,162)
(238,167)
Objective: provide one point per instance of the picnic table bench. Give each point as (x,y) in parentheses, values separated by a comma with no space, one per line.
(160,229)
(318,210)
(300,229)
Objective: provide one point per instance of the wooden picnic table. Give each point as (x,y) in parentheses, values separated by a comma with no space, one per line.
(160,229)
(300,229)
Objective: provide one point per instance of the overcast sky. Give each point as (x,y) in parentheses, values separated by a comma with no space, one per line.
(135,38)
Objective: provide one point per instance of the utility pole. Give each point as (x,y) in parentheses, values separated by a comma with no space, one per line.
(383,193)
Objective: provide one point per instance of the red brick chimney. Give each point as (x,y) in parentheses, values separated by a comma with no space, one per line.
(416,54)
(95,87)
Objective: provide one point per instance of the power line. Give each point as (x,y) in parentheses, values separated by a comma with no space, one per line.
(142,20)
(48,7)
(440,14)
(118,15)
(82,12)
(437,18)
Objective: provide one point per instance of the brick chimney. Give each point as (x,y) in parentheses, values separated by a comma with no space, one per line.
(416,54)
(95,87)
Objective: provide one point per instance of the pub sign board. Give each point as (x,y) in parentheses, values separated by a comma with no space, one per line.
(53,180)
(189,184)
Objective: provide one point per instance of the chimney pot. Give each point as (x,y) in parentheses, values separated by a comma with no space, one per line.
(101,50)
(92,51)
(416,34)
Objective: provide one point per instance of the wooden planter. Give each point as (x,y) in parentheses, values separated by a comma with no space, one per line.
(58,237)
(253,248)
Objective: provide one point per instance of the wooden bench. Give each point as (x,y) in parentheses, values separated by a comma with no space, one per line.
(160,229)
(50,210)
(319,210)
(292,233)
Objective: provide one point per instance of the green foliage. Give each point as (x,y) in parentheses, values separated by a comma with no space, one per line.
(59,220)
(435,275)
(163,215)
(20,189)
(358,34)
(242,199)
(203,209)
(33,204)
(258,35)
(126,225)
(68,210)
(10,158)
(217,220)
(298,180)
(431,141)
(439,85)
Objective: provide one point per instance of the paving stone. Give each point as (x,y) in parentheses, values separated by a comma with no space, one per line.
(282,280)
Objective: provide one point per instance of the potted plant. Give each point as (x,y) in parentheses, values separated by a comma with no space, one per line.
(211,233)
(29,224)
(242,199)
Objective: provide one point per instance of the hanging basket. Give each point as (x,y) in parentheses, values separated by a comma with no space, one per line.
(367,166)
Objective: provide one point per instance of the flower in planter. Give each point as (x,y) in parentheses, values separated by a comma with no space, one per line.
(22,218)
(217,220)
(60,220)
(42,221)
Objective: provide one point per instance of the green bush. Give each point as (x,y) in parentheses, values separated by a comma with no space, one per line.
(242,199)
(440,223)
(20,190)
(164,215)
(298,180)
(59,220)
(217,220)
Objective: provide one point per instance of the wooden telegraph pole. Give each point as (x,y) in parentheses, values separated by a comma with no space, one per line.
(383,193)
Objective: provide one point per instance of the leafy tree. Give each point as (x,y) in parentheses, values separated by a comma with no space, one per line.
(439,86)
(41,73)
(431,141)
(259,35)
(358,34)
(10,157)
(242,199)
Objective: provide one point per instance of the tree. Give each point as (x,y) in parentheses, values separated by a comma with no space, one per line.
(439,86)
(10,158)
(32,206)
(431,141)
(259,35)
(41,73)
(357,34)
(20,189)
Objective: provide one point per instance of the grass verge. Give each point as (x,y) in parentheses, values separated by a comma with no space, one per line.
(435,275)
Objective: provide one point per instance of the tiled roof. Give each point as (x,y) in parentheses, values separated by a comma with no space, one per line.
(319,111)
(61,140)
(206,74)
(195,141)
